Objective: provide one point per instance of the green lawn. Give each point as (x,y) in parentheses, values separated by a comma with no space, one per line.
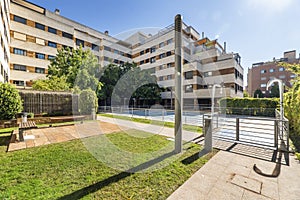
(186,127)
(68,171)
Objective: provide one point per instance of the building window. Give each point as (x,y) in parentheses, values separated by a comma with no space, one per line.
(272,70)
(79,42)
(169,77)
(152,60)
(282,77)
(169,41)
(39,26)
(51,57)
(161,56)
(142,62)
(40,55)
(263,85)
(20,67)
(152,50)
(188,88)
(52,30)
(20,19)
(52,44)
(161,44)
(107,48)
(147,50)
(263,71)
(141,53)
(169,65)
(188,75)
(293,76)
(263,78)
(161,78)
(67,35)
(281,69)
(19,83)
(95,47)
(116,51)
(39,70)
(207,74)
(20,52)
(169,53)
(161,67)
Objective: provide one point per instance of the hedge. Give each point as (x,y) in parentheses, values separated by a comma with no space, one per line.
(249,106)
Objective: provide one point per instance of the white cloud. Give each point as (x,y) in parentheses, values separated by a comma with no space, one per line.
(270,6)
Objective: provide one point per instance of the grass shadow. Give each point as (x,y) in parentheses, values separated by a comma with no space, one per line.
(113,179)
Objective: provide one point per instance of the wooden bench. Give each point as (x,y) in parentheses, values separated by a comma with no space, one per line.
(25,126)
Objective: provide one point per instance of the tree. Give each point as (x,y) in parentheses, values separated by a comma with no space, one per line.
(127,81)
(79,67)
(10,101)
(258,93)
(275,91)
(87,101)
(292,104)
(246,94)
(52,84)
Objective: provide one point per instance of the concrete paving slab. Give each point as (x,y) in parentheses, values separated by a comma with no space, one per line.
(247,183)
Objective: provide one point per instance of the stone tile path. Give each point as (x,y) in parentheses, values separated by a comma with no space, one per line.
(45,136)
(231,176)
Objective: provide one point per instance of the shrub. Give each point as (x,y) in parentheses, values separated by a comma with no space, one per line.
(298,156)
(87,101)
(249,106)
(10,101)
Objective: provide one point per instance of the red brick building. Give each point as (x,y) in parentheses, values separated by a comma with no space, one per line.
(262,72)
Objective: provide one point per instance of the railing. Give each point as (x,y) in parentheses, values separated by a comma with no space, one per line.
(263,132)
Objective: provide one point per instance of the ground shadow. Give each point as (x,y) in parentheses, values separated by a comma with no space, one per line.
(113,179)
(194,157)
(277,169)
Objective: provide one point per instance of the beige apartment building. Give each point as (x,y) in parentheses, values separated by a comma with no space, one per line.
(36,35)
(5,38)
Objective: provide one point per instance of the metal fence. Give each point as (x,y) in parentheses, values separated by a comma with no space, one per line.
(54,103)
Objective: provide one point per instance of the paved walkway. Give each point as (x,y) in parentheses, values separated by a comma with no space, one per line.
(231,176)
(45,136)
(161,130)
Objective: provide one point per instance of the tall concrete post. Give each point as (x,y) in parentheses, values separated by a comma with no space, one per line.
(178,84)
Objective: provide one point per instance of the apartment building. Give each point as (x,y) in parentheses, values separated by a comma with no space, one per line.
(262,72)
(5,38)
(205,63)
(37,34)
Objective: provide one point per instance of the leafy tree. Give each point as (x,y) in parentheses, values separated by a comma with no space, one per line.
(80,68)
(53,84)
(10,101)
(292,104)
(275,91)
(127,81)
(87,101)
(258,93)
(246,94)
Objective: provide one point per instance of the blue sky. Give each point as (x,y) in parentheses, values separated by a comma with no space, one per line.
(257,29)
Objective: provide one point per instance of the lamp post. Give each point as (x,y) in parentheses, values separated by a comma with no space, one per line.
(178,84)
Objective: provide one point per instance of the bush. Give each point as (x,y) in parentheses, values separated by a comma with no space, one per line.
(298,156)
(249,106)
(10,101)
(87,101)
